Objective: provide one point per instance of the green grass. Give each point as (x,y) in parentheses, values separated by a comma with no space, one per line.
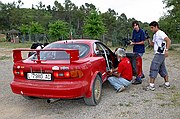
(173,87)
(145,100)
(160,96)
(128,104)
(15,45)
(175,99)
(165,104)
(5,57)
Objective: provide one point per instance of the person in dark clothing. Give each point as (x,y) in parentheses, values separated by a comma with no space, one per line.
(138,38)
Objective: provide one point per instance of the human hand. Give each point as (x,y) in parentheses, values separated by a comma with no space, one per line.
(109,72)
(166,53)
(132,43)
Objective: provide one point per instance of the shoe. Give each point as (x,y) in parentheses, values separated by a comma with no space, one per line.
(152,88)
(142,76)
(120,89)
(165,86)
(136,82)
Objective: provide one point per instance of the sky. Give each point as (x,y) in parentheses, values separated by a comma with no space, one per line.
(141,10)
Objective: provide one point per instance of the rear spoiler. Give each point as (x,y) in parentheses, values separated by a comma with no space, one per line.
(74,53)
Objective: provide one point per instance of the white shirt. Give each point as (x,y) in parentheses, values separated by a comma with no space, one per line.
(158,39)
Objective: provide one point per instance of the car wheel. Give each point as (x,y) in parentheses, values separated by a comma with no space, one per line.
(96,92)
(29,97)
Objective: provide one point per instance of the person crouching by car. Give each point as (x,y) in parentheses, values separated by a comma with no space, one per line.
(121,77)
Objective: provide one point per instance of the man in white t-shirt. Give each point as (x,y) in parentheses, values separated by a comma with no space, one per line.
(161,44)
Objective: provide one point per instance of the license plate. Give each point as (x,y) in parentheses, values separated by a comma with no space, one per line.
(39,76)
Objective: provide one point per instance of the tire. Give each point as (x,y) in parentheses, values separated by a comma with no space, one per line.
(96,92)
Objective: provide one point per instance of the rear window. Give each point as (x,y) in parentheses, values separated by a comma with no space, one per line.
(62,55)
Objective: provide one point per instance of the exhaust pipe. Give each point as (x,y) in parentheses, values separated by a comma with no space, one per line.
(52,100)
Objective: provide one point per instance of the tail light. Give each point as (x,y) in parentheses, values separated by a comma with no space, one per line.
(18,72)
(68,74)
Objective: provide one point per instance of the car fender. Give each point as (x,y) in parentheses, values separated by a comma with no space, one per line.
(89,92)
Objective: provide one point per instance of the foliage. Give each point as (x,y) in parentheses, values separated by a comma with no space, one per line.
(24,28)
(94,26)
(170,23)
(117,27)
(109,20)
(59,30)
(3,40)
(36,28)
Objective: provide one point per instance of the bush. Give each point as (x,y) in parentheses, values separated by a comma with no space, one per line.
(3,40)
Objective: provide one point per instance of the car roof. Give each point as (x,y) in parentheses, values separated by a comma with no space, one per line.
(86,41)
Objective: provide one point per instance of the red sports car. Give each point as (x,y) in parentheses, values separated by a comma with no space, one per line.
(63,69)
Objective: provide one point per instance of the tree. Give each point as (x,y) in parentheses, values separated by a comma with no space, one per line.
(20,3)
(36,29)
(116,27)
(94,26)
(109,19)
(5,11)
(170,23)
(59,30)
(122,26)
(41,15)
(24,30)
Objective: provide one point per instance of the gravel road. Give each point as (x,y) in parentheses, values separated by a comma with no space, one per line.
(133,103)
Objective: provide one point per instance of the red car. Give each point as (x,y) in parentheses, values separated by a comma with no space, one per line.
(63,69)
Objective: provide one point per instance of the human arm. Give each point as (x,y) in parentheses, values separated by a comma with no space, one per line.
(116,74)
(114,70)
(168,43)
(140,40)
(137,43)
(150,42)
(117,71)
(110,72)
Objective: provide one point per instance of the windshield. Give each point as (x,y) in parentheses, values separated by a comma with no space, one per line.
(62,55)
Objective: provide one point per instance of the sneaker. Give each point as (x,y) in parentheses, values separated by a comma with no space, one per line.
(165,86)
(149,88)
(136,82)
(120,89)
(142,76)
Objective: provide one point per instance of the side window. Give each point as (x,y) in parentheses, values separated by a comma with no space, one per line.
(98,49)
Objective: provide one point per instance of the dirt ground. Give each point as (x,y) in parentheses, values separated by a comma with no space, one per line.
(133,103)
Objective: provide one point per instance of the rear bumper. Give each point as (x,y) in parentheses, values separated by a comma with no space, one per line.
(66,90)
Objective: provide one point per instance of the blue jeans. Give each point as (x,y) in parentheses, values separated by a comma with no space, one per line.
(118,82)
(140,54)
